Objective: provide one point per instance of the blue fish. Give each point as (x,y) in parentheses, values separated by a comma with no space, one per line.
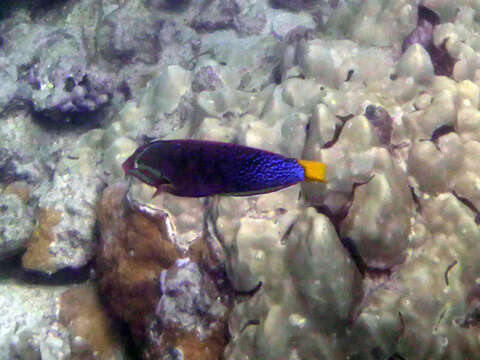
(196,168)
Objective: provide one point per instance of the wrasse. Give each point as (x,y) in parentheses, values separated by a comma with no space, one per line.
(196,168)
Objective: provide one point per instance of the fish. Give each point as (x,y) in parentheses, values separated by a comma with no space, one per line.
(198,168)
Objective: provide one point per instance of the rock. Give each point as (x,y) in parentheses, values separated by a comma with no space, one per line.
(206,78)
(299,303)
(16,224)
(38,256)
(382,123)
(216,15)
(125,37)
(186,313)
(83,314)
(378,221)
(415,62)
(427,20)
(30,328)
(134,249)
(65,235)
(190,314)
(131,36)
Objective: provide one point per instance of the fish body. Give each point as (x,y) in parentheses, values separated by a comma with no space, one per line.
(196,168)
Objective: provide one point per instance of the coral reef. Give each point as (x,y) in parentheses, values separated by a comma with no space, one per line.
(190,314)
(54,75)
(423,35)
(150,276)
(380,262)
(70,199)
(133,252)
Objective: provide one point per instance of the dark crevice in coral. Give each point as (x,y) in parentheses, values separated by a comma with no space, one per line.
(215,16)
(438,133)
(299,34)
(416,200)
(402,326)
(443,62)
(132,349)
(249,293)
(427,19)
(294,5)
(440,318)
(69,84)
(122,330)
(396,356)
(7,7)
(377,273)
(468,204)
(12,268)
(349,75)
(85,82)
(66,276)
(472,317)
(169,5)
(49,166)
(224,285)
(125,90)
(337,218)
(426,14)
(449,267)
(350,246)
(379,354)
(254,322)
(348,243)
(338,130)
(52,120)
(277,74)
(363,268)
(441,131)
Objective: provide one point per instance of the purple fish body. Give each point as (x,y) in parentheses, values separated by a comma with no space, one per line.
(197,168)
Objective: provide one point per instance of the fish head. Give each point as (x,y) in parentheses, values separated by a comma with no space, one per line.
(139,165)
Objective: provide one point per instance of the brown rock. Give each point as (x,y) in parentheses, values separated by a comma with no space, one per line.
(38,256)
(19,188)
(137,244)
(190,345)
(83,314)
(133,250)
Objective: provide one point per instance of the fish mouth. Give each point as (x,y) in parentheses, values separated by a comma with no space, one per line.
(128,165)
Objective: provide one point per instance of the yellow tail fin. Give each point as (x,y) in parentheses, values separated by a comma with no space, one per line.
(314,170)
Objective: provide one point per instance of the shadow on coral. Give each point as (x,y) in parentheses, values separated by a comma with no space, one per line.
(66,122)
(7,7)
(11,268)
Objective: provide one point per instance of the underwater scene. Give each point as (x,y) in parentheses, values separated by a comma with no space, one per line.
(239,179)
